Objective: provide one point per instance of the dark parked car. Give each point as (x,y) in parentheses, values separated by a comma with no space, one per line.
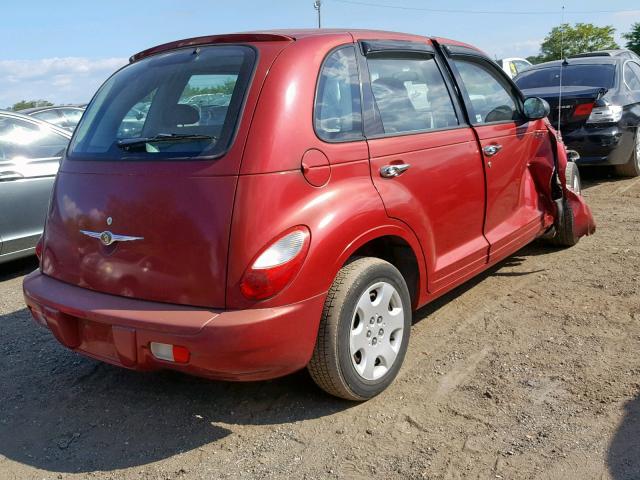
(30,152)
(66,117)
(600,111)
(327,185)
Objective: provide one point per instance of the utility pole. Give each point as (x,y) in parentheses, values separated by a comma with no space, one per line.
(317,4)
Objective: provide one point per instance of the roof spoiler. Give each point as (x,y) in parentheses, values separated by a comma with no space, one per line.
(212,39)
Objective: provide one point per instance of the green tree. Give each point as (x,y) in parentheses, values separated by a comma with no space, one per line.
(21,105)
(633,38)
(580,38)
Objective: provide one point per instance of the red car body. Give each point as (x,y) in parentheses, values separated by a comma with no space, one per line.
(455,213)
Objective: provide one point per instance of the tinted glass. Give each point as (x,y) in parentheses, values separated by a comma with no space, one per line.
(338,114)
(410,94)
(487,93)
(599,76)
(22,139)
(632,75)
(183,103)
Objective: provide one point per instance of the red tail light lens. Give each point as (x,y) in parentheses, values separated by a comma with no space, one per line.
(274,267)
(39,247)
(583,110)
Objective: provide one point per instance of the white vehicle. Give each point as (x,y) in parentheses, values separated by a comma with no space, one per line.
(514,65)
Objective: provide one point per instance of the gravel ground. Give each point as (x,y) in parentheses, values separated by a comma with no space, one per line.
(531,371)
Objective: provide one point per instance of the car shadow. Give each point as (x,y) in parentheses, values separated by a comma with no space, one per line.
(62,412)
(623,455)
(17,268)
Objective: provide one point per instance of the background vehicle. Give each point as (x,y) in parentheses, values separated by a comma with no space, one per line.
(348,179)
(600,112)
(30,152)
(513,66)
(66,116)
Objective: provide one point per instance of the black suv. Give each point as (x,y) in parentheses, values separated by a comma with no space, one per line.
(598,107)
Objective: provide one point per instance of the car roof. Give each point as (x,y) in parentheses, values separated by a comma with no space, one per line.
(603,53)
(291,35)
(28,111)
(27,118)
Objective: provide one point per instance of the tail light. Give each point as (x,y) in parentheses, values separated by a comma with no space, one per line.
(274,267)
(39,247)
(583,110)
(606,114)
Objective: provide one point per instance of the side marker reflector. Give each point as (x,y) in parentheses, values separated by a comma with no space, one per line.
(170,353)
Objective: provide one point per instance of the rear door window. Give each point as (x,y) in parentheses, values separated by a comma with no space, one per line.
(337,111)
(632,75)
(410,94)
(487,97)
(181,104)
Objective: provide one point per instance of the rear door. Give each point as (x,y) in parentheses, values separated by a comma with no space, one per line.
(508,143)
(425,161)
(29,157)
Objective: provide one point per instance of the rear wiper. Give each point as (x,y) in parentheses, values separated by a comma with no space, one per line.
(127,143)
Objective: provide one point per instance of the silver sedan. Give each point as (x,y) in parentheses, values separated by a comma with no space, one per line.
(30,153)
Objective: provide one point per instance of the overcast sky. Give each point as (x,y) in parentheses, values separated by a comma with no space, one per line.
(63,51)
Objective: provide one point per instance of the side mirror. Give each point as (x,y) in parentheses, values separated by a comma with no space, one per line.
(536,108)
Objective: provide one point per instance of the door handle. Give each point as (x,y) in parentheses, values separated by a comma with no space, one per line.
(7,176)
(491,150)
(391,171)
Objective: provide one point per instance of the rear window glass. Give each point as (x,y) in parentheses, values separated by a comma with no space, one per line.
(599,76)
(184,103)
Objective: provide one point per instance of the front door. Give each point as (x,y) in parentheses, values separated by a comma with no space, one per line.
(508,143)
(425,161)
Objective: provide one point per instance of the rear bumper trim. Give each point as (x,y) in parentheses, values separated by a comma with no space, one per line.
(233,345)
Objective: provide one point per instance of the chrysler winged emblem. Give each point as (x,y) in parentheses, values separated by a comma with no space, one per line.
(107,238)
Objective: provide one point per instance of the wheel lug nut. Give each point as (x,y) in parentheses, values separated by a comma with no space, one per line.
(368,333)
(379,319)
(374,341)
(381,332)
(372,320)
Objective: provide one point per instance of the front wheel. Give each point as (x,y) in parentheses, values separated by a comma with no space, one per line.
(364,330)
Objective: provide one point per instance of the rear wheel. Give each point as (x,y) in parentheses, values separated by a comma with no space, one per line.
(364,330)
(632,167)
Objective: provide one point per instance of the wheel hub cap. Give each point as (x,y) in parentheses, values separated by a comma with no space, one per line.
(377,330)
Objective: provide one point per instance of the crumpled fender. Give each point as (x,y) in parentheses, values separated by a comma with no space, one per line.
(583,221)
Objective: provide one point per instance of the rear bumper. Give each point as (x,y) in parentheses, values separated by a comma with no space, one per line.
(610,145)
(230,345)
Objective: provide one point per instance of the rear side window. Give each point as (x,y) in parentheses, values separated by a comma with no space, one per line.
(338,112)
(632,75)
(410,94)
(181,104)
(487,95)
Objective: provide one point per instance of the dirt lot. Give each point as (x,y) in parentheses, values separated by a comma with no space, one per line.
(530,371)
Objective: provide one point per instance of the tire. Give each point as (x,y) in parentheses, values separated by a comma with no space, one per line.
(565,235)
(573,178)
(354,356)
(632,167)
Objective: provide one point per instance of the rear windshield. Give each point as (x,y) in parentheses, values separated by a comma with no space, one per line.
(599,76)
(181,104)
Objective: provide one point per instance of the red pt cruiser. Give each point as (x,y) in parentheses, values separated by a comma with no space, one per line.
(243,206)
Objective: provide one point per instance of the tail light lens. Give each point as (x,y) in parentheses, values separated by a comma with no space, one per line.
(583,110)
(275,266)
(39,247)
(605,114)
